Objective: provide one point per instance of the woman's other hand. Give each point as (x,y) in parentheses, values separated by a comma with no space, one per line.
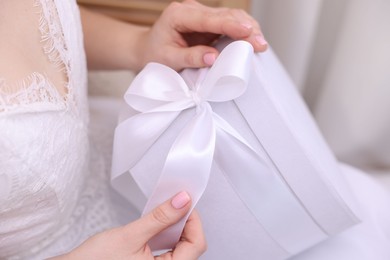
(130,241)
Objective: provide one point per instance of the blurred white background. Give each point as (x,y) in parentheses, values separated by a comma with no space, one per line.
(338,54)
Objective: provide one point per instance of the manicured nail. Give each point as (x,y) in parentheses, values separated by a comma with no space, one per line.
(247,25)
(260,39)
(180,200)
(209,58)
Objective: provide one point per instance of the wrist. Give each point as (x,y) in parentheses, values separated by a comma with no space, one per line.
(137,56)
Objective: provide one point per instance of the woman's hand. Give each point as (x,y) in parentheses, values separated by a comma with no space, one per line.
(130,241)
(181,37)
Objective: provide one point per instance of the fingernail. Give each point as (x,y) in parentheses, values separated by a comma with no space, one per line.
(180,200)
(247,25)
(260,39)
(209,58)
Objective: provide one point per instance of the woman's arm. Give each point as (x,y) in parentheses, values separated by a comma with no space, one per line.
(110,43)
(180,38)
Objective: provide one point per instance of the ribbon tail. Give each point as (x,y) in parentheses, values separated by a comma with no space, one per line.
(187,168)
(132,139)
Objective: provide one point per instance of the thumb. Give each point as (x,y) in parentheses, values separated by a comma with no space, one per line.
(194,57)
(160,218)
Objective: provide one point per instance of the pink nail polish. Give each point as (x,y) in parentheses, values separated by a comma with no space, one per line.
(180,200)
(209,58)
(260,39)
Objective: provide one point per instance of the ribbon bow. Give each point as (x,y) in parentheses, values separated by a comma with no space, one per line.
(160,94)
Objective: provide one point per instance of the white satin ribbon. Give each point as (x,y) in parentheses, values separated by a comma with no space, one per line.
(160,94)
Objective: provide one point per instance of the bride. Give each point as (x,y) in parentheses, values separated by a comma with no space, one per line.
(53,186)
(54,194)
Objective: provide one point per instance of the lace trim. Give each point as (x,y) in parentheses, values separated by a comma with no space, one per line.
(52,35)
(37,88)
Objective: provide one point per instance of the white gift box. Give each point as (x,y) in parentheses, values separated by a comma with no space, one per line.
(240,140)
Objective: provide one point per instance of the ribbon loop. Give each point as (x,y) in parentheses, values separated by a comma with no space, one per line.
(227,79)
(155,86)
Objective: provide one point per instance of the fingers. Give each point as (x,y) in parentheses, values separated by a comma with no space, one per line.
(189,19)
(191,16)
(142,230)
(192,57)
(256,38)
(192,243)
(181,36)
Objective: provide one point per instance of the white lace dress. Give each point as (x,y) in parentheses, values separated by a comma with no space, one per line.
(53,187)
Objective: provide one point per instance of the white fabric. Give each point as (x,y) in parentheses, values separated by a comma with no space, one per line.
(52,198)
(368,240)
